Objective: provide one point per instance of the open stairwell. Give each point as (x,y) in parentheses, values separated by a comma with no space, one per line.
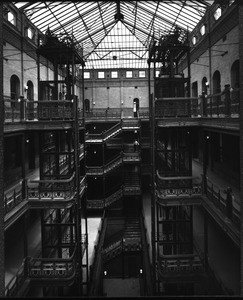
(132,234)
(128,239)
(131,183)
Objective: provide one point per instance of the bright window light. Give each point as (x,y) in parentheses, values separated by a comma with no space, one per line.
(12,18)
(203,29)
(141,74)
(217,13)
(101,75)
(194,40)
(114,74)
(30,33)
(86,75)
(128,74)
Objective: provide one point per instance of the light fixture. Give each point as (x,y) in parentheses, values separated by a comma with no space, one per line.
(26,87)
(141,271)
(105,273)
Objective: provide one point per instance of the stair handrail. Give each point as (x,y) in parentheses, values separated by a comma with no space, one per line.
(103,135)
(147,266)
(96,267)
(111,130)
(14,285)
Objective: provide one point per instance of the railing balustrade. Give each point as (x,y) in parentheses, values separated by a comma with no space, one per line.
(130,123)
(12,110)
(51,189)
(185,263)
(218,198)
(105,202)
(49,110)
(177,186)
(123,244)
(114,163)
(30,110)
(42,269)
(222,104)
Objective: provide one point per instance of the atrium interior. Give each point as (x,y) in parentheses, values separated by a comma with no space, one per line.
(120,151)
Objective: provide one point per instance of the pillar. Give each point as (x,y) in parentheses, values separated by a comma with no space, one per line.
(2,269)
(241,138)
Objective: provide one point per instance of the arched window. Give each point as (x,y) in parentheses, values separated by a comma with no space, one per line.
(235,74)
(86,105)
(205,85)
(135,106)
(30,90)
(216,90)
(216,82)
(14,89)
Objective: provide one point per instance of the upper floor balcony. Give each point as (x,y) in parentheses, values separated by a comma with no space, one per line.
(38,114)
(217,110)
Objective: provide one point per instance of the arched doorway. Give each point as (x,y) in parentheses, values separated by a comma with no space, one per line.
(205,86)
(14,90)
(235,74)
(135,107)
(216,90)
(86,105)
(30,98)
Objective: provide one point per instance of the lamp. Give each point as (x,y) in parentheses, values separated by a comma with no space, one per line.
(26,87)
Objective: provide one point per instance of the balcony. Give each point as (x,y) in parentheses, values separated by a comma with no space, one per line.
(185,266)
(220,110)
(178,190)
(37,113)
(56,193)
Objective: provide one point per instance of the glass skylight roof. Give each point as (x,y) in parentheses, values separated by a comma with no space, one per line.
(115,34)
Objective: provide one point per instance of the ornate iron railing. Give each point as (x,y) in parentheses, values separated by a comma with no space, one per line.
(186,263)
(105,202)
(130,123)
(30,110)
(49,110)
(42,269)
(223,104)
(51,189)
(177,186)
(52,268)
(123,244)
(114,163)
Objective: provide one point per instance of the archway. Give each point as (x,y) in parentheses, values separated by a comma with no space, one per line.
(135,107)
(86,105)
(235,74)
(14,90)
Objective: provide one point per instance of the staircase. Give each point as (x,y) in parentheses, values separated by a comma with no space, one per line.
(125,240)
(131,183)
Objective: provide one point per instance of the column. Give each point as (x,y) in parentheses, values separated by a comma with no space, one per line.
(241,136)
(2,269)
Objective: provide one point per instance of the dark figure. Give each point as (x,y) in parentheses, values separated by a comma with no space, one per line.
(229,204)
